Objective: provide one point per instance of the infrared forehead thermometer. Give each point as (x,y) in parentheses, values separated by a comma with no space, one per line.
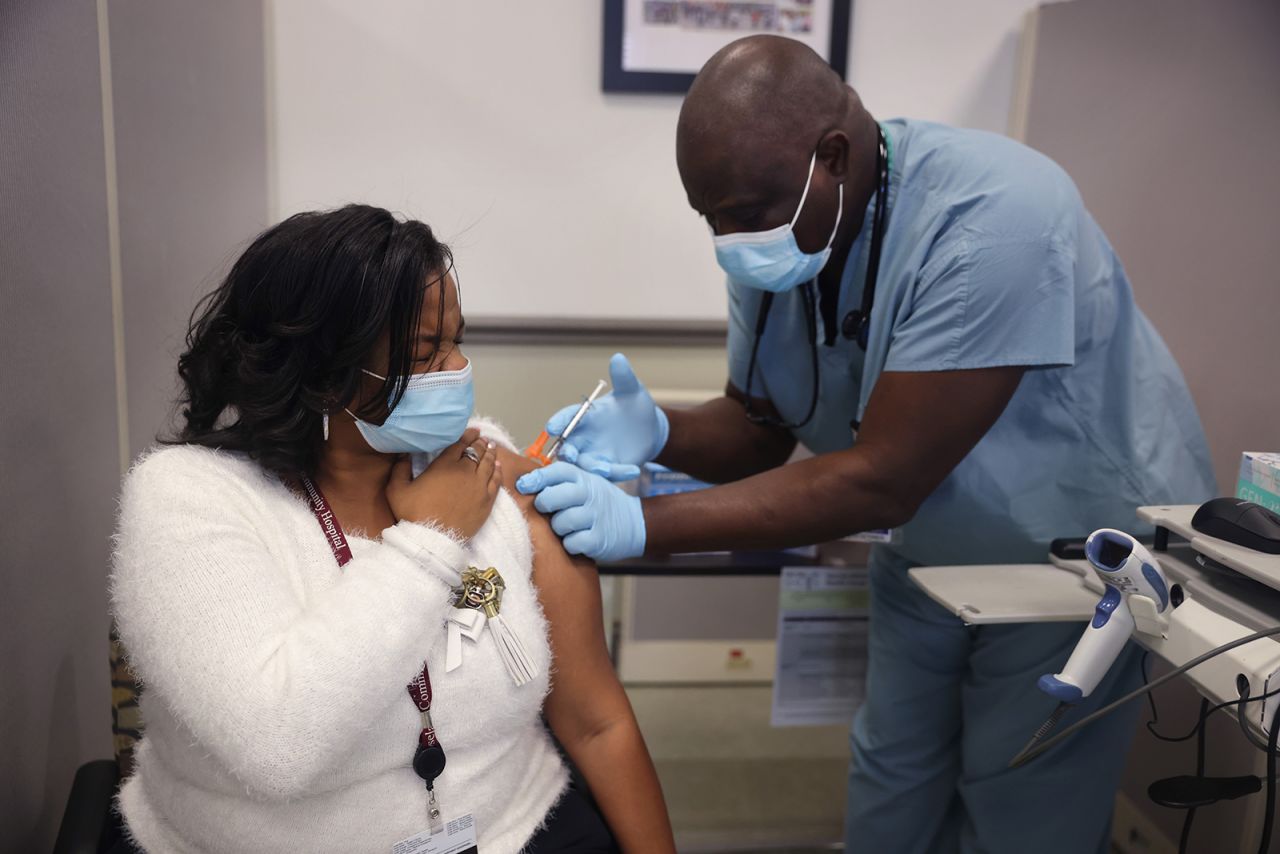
(1129,571)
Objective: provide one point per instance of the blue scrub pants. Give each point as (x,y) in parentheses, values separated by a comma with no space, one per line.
(947,707)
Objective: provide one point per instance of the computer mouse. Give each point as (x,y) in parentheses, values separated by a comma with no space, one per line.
(1241,522)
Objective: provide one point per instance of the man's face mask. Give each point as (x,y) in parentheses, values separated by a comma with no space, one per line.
(432,414)
(772,260)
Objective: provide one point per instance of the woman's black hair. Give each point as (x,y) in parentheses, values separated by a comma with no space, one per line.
(285,337)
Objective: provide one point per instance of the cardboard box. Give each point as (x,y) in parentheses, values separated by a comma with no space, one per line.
(1260,479)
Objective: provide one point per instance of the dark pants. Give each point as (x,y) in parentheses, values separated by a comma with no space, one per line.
(574,826)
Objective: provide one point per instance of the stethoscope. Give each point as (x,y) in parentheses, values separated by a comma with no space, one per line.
(856,324)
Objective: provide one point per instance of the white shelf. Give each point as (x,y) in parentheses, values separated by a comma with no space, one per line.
(1008,593)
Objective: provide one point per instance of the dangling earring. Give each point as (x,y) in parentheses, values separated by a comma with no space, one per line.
(325,423)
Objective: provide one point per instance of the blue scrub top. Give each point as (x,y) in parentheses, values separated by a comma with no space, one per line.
(990,259)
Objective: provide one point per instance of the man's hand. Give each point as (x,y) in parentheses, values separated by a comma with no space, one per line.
(593,516)
(621,431)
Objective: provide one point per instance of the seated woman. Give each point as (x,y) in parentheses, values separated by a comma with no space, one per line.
(338,655)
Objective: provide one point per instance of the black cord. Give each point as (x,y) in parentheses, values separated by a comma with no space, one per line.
(1047,727)
(1268,823)
(1186,831)
(1200,740)
(1029,753)
(1151,699)
(1200,749)
(877,241)
(1241,701)
(762,319)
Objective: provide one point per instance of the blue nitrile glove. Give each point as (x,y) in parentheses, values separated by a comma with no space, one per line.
(621,430)
(593,516)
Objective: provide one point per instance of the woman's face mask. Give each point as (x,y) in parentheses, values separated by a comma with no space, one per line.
(431,415)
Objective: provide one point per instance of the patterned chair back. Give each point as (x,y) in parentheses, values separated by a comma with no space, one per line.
(126,718)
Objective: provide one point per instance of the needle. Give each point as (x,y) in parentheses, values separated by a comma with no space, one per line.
(577,416)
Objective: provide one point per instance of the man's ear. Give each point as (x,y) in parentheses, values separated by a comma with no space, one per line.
(833,152)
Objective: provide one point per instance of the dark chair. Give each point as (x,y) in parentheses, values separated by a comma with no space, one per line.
(90,824)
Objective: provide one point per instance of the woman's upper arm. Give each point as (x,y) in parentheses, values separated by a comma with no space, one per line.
(585,690)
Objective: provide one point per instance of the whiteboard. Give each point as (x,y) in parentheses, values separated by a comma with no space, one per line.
(489,124)
(563,204)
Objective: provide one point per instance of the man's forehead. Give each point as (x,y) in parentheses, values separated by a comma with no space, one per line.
(742,173)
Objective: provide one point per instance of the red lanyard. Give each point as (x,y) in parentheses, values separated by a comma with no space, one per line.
(428,759)
(328,522)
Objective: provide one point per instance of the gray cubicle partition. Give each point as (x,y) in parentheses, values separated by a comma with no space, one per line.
(1167,115)
(132,162)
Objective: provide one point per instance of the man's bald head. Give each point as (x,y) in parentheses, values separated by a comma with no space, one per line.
(769,88)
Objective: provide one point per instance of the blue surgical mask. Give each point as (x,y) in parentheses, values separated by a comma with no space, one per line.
(431,415)
(771,260)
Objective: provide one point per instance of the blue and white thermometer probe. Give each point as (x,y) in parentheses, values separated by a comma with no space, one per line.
(1128,570)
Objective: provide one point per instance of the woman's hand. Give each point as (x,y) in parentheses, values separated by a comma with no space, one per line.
(455,491)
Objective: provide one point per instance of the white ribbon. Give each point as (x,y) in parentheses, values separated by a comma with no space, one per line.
(462,622)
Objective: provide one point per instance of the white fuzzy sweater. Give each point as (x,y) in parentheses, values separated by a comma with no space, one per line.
(274,683)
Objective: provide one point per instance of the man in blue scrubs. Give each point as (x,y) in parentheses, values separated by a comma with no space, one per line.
(998,388)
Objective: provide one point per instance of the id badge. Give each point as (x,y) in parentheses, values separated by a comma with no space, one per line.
(458,836)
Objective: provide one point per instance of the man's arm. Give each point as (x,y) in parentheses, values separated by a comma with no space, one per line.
(715,442)
(918,427)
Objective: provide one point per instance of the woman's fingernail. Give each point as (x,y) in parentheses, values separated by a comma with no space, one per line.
(492,446)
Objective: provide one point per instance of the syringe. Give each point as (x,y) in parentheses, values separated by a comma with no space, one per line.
(546,457)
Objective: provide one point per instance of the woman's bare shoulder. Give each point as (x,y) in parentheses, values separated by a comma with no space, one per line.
(514,466)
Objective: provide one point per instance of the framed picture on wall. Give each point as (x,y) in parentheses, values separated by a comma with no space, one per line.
(659,45)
